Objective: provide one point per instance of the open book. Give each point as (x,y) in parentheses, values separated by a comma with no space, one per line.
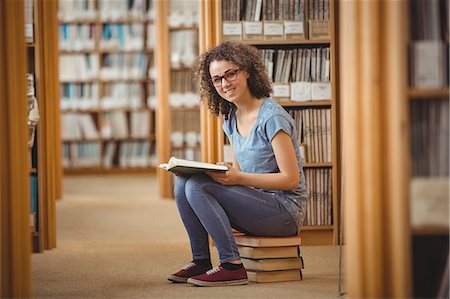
(177,165)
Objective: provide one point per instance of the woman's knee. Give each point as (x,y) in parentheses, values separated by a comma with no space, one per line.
(195,184)
(180,186)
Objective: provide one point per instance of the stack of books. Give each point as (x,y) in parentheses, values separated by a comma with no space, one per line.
(270,259)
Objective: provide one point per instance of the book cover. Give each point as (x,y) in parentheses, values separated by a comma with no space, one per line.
(254,241)
(274,276)
(177,165)
(268,252)
(273,264)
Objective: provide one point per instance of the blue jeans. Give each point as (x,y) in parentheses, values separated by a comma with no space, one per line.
(207,207)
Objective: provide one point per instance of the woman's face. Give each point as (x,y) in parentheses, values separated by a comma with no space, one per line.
(229,81)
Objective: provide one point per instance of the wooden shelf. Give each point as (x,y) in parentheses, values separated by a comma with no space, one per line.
(317,227)
(103,171)
(423,94)
(430,230)
(322,103)
(318,165)
(287,42)
(180,28)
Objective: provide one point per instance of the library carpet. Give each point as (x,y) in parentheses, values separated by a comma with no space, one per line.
(116,238)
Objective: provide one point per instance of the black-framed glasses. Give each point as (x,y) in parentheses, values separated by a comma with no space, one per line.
(229,75)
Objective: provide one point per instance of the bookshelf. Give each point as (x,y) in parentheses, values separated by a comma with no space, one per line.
(14,191)
(305,38)
(428,107)
(107,86)
(178,110)
(25,50)
(44,166)
(396,213)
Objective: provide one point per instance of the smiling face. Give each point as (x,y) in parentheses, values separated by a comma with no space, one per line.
(231,90)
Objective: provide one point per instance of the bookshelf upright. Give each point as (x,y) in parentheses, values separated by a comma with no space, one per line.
(395,120)
(22,234)
(429,111)
(178,109)
(107,85)
(14,170)
(298,43)
(45,167)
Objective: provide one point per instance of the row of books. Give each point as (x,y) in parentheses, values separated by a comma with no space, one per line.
(319,209)
(183,13)
(190,153)
(124,66)
(29,21)
(185,120)
(275,19)
(181,81)
(85,97)
(129,154)
(122,36)
(113,124)
(114,154)
(302,64)
(183,48)
(314,133)
(276,30)
(430,20)
(185,138)
(34,204)
(270,10)
(122,95)
(429,64)
(121,124)
(107,10)
(429,123)
(270,259)
(78,67)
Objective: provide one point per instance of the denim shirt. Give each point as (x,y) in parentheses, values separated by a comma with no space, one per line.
(254,153)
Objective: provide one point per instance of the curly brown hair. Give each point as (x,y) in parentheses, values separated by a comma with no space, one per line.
(247,58)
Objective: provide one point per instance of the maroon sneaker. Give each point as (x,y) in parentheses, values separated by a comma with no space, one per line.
(220,277)
(191,269)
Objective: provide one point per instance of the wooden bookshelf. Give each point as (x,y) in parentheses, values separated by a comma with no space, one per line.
(178,112)
(429,113)
(395,147)
(15,231)
(212,31)
(114,101)
(19,56)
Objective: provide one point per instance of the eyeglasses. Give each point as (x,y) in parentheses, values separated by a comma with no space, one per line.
(229,75)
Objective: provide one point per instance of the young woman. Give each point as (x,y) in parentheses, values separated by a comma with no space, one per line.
(263,192)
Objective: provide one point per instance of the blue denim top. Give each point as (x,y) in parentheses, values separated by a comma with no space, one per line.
(254,153)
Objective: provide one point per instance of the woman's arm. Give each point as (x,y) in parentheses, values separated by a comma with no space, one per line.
(287,179)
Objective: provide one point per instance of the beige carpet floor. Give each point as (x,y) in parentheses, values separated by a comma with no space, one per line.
(117,239)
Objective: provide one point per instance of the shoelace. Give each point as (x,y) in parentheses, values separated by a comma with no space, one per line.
(190,265)
(214,270)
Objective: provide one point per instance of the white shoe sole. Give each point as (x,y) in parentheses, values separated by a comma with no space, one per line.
(201,283)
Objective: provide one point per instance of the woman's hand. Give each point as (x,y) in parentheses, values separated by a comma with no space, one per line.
(230,177)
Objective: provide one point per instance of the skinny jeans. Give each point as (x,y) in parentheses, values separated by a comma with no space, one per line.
(207,207)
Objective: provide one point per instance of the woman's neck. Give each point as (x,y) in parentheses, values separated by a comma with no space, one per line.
(249,106)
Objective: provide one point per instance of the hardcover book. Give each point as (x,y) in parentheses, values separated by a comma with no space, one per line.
(254,241)
(268,252)
(275,276)
(273,264)
(177,165)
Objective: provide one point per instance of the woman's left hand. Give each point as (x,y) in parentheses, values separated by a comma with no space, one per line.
(229,177)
